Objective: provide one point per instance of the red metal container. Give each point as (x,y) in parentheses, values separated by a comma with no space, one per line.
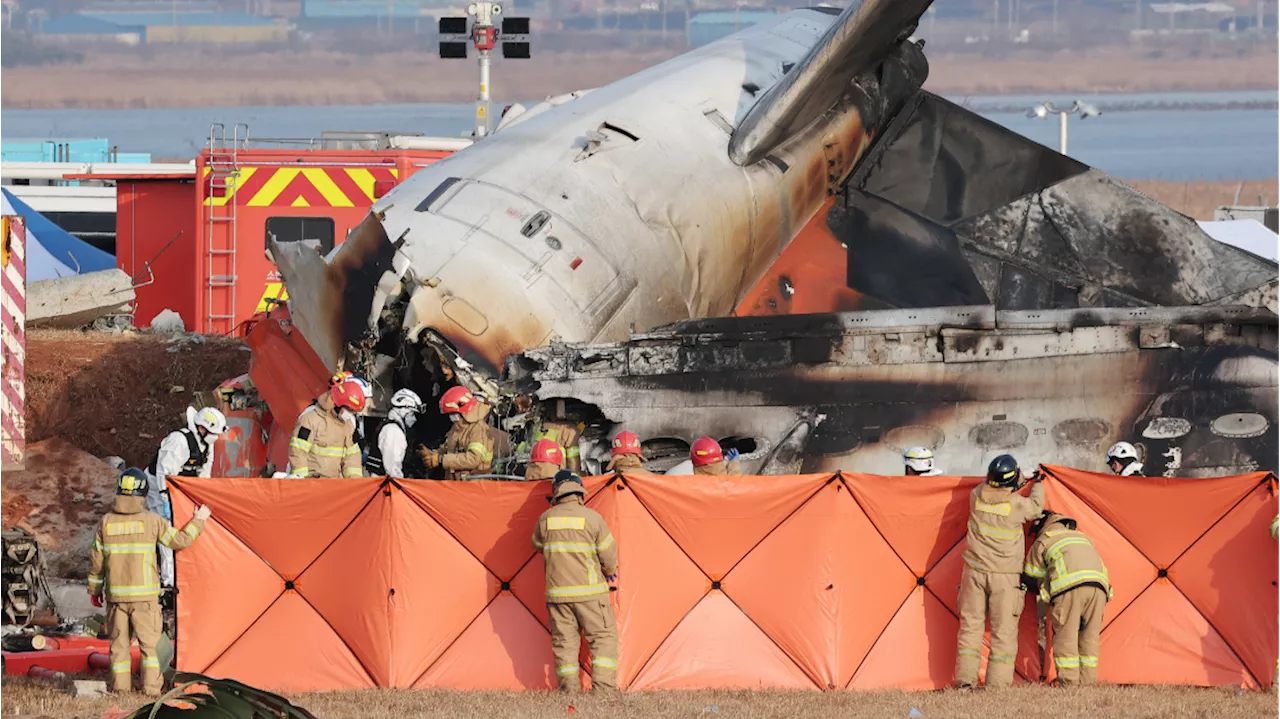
(196,242)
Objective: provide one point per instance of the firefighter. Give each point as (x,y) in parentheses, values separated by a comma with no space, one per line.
(123,570)
(582,563)
(468,448)
(627,455)
(186,452)
(709,460)
(919,463)
(387,455)
(566,435)
(545,461)
(990,582)
(1122,459)
(562,433)
(324,438)
(1073,581)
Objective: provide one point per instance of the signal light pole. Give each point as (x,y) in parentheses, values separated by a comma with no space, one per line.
(484,37)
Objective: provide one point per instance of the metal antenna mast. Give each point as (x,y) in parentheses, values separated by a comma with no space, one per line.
(484,36)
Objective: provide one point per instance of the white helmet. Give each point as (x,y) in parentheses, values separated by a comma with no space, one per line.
(919,459)
(365,387)
(407,399)
(1122,450)
(212,420)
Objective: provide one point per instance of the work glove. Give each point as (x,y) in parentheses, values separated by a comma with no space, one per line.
(731,455)
(95,600)
(1036,476)
(203,512)
(430,457)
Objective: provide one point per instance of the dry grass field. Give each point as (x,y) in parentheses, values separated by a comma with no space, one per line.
(188,77)
(1110,69)
(1199,199)
(33,699)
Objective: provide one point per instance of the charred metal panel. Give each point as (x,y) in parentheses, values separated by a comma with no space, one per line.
(931,271)
(1056,391)
(946,163)
(1004,345)
(889,348)
(1034,229)
(1095,233)
(832,324)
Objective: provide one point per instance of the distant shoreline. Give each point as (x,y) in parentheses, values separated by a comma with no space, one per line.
(165,78)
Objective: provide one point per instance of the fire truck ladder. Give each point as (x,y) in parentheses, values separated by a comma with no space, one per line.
(220,257)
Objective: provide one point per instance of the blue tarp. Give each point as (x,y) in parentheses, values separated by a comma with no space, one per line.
(52,251)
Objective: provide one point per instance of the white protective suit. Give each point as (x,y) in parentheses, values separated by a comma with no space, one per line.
(173,453)
(1131,469)
(392,442)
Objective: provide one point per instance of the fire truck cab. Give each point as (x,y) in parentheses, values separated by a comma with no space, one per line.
(196,242)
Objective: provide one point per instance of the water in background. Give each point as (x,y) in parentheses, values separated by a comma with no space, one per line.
(1170,136)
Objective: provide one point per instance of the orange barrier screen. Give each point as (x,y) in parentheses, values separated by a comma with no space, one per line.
(801,582)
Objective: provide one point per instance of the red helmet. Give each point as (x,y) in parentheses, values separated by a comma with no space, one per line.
(348,394)
(705,451)
(546,450)
(626,443)
(339,377)
(457,400)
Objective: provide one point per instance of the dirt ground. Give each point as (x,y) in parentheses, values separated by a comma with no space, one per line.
(59,496)
(119,394)
(35,699)
(185,76)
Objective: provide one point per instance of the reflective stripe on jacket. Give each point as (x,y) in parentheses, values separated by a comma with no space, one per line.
(468,449)
(1062,559)
(578,550)
(995,539)
(122,561)
(323,444)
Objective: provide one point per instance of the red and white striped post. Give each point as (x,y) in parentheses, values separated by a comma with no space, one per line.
(13,341)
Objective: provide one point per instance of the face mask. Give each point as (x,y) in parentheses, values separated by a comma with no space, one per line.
(411,419)
(346,415)
(454,418)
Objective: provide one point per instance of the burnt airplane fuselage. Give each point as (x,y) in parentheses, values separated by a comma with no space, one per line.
(1194,388)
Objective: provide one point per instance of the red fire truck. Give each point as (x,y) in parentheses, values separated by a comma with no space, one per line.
(195,242)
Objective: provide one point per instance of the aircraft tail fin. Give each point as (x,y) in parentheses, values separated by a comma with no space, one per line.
(862,37)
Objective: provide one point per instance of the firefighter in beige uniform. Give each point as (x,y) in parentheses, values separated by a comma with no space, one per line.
(324,437)
(566,435)
(468,447)
(581,560)
(1072,579)
(123,569)
(990,582)
(627,457)
(546,460)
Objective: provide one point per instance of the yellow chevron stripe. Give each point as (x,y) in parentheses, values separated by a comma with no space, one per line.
(273,290)
(300,201)
(363,179)
(273,187)
(234,182)
(327,187)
